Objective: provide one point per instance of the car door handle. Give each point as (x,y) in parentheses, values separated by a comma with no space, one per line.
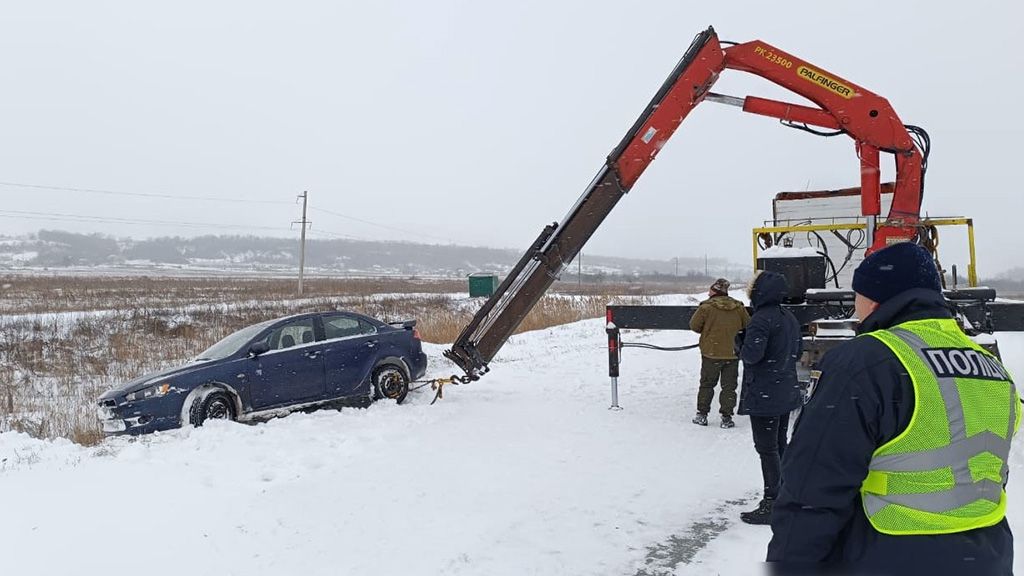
(312,355)
(371,343)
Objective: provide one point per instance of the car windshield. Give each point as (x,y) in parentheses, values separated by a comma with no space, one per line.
(233,342)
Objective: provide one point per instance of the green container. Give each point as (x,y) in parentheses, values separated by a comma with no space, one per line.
(482,284)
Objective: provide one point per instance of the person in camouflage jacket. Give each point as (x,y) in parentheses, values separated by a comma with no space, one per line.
(718,319)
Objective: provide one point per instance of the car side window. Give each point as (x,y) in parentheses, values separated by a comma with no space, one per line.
(292,334)
(346,326)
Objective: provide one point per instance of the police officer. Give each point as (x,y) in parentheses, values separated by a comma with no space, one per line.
(898,464)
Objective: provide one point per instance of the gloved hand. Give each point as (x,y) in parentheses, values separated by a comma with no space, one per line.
(738,341)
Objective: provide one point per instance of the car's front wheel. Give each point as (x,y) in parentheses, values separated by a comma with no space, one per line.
(213,406)
(390,382)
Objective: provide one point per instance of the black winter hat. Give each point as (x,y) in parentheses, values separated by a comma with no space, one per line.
(896,269)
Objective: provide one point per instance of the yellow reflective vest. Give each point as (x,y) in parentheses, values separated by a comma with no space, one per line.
(945,473)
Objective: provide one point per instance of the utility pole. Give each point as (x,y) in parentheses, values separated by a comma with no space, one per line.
(677,265)
(706,265)
(302,238)
(579,272)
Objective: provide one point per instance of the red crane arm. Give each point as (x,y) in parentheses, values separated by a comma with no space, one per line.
(843,106)
(863,115)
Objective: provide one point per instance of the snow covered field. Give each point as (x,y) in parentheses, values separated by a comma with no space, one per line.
(524,472)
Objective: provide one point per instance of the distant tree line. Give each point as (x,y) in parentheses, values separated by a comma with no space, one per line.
(55,248)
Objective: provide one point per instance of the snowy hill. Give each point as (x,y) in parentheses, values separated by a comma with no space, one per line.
(57,250)
(523,472)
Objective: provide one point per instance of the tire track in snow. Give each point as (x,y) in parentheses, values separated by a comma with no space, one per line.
(663,558)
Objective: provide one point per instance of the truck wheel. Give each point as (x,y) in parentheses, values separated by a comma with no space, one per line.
(213,406)
(390,382)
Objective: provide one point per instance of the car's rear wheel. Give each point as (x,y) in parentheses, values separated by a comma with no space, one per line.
(390,382)
(213,406)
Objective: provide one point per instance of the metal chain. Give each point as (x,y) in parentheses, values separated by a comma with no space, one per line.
(438,384)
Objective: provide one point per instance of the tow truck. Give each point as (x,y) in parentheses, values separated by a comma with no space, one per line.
(843,108)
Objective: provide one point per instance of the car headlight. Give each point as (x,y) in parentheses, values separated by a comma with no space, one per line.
(150,392)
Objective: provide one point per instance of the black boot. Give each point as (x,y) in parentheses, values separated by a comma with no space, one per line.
(760,515)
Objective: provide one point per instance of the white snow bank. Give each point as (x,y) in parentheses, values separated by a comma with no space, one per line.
(523,472)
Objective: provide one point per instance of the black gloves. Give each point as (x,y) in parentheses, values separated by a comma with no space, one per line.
(738,341)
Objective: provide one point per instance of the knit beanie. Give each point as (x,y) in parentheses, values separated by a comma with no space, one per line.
(896,269)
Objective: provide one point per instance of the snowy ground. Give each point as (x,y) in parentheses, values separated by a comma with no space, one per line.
(524,472)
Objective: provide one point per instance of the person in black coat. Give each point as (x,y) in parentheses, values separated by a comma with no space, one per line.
(862,400)
(769,350)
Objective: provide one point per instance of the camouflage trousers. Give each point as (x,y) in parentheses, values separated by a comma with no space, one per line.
(711,370)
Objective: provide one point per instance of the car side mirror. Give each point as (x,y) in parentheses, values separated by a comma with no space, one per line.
(258,348)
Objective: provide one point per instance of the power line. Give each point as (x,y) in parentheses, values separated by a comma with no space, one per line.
(139,194)
(85,218)
(58,217)
(47,217)
(216,199)
(339,235)
(379,225)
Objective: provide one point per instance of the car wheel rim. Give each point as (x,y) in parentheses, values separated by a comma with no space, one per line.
(391,384)
(218,410)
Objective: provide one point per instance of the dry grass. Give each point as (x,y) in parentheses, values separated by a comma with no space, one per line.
(39,293)
(63,341)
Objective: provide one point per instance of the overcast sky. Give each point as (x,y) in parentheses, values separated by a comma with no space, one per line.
(478,122)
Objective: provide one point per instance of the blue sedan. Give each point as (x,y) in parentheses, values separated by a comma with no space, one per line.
(268,369)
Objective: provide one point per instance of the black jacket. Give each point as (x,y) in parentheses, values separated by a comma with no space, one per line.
(771,347)
(863,399)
